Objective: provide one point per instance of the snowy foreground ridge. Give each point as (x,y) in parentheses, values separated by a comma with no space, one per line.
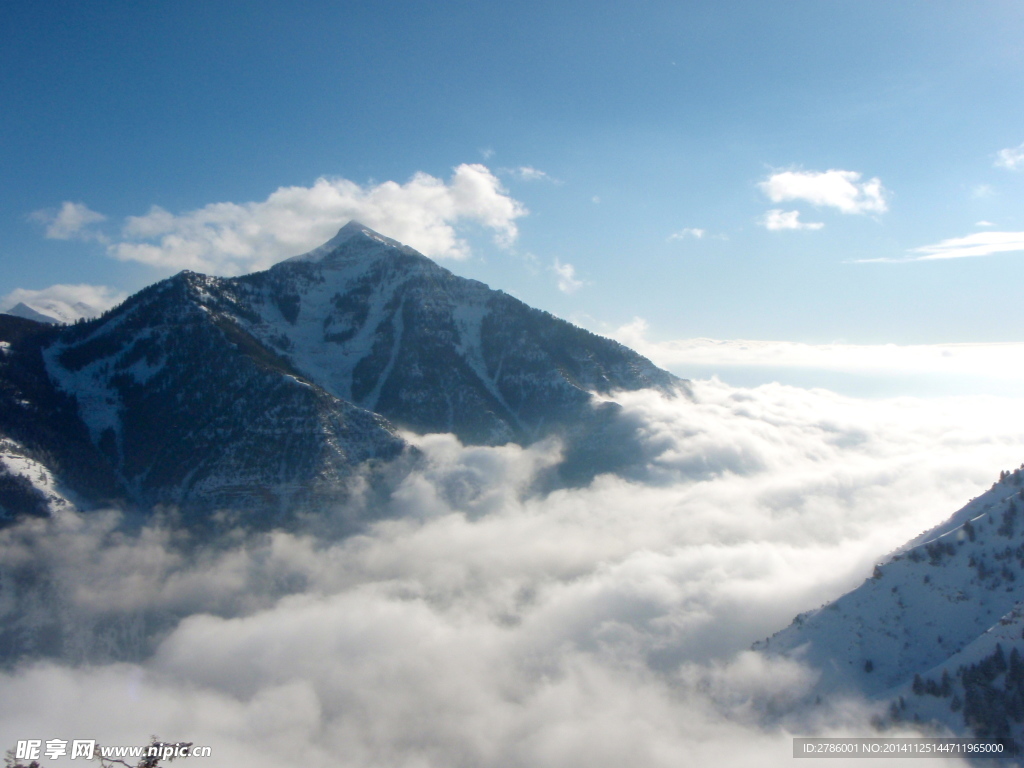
(938,629)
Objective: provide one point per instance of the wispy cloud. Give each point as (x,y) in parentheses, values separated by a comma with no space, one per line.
(688,233)
(837,189)
(1011,158)
(977,244)
(529,173)
(73,221)
(776,220)
(567,280)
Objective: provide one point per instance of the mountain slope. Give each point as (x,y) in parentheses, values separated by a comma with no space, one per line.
(42,437)
(191,410)
(381,325)
(923,631)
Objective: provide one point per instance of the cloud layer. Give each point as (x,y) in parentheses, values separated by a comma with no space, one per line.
(491,626)
(992,367)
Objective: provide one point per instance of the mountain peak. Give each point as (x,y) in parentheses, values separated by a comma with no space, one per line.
(23,310)
(347,233)
(352,228)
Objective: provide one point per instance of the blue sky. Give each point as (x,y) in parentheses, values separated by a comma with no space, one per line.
(737,170)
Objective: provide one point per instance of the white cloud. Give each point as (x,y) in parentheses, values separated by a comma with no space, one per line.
(567,280)
(688,232)
(66,303)
(977,244)
(777,219)
(1011,158)
(983,223)
(833,188)
(74,221)
(482,624)
(234,238)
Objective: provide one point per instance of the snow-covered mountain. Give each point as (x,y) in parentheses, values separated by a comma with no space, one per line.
(51,309)
(271,391)
(937,632)
(21,309)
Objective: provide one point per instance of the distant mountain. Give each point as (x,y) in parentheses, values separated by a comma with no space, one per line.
(937,632)
(270,392)
(53,310)
(23,310)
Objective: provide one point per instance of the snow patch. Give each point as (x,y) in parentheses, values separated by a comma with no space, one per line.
(16,463)
(99,405)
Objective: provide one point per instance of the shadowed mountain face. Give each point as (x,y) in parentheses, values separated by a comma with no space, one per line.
(190,409)
(271,391)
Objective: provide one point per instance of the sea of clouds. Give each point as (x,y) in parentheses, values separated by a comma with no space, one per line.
(485,624)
